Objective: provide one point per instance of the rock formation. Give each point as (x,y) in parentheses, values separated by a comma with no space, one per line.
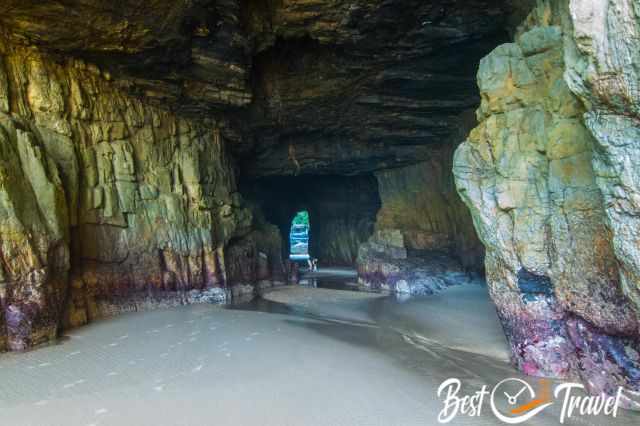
(424,238)
(125,127)
(192,54)
(128,121)
(108,204)
(353,86)
(548,176)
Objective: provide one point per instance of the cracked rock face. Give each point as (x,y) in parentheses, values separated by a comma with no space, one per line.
(602,70)
(329,86)
(349,85)
(121,125)
(540,189)
(106,203)
(123,129)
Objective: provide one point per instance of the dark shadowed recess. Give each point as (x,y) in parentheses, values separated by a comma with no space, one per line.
(342,210)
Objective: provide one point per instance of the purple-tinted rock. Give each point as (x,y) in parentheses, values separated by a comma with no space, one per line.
(606,362)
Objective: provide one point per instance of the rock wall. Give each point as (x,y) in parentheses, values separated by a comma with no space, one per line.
(549,179)
(256,261)
(106,203)
(342,214)
(362,85)
(424,238)
(603,63)
(192,55)
(345,84)
(421,202)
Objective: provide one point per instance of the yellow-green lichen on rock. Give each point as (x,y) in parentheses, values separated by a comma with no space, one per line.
(420,204)
(526,173)
(107,204)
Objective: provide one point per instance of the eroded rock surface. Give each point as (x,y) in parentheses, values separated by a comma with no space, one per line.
(344,85)
(602,70)
(190,55)
(118,186)
(424,237)
(109,204)
(534,174)
(384,263)
(421,202)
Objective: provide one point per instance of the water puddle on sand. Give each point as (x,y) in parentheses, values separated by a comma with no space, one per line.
(345,280)
(455,333)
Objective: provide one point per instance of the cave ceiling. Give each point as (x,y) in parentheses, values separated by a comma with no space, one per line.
(308,86)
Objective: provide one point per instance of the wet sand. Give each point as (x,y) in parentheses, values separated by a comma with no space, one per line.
(461,318)
(299,356)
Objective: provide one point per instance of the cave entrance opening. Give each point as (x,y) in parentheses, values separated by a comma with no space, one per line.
(299,237)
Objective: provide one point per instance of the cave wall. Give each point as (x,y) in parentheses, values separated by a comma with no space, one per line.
(550,177)
(421,202)
(342,211)
(107,204)
(256,260)
(602,69)
(117,185)
(355,86)
(424,239)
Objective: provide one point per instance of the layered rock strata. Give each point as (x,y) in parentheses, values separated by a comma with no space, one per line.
(421,229)
(352,86)
(193,56)
(108,204)
(549,178)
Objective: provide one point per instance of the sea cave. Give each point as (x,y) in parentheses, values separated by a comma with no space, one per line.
(319,212)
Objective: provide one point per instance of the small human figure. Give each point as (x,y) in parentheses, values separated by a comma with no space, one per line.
(310,263)
(314,264)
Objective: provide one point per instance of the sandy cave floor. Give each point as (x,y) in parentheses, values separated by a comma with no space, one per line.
(298,356)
